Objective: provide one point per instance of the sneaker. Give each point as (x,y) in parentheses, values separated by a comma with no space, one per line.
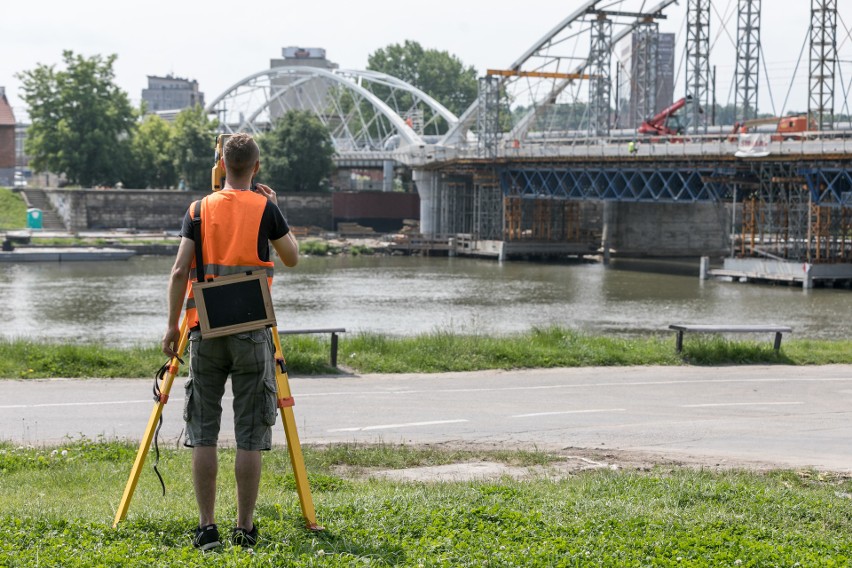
(242,537)
(206,538)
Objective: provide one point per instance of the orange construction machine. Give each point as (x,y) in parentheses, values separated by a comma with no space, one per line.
(783,127)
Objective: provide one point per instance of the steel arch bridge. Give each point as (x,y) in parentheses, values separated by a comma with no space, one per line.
(367,113)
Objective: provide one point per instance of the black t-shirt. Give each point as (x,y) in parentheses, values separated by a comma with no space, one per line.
(273,226)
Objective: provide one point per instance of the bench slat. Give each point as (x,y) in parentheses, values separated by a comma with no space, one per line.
(680,328)
(731,328)
(295,331)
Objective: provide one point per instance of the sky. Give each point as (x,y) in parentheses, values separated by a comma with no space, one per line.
(219,43)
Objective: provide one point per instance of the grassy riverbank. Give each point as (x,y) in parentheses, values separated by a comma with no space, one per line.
(661,517)
(13,210)
(437,352)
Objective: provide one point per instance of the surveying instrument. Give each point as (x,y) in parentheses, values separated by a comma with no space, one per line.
(229,322)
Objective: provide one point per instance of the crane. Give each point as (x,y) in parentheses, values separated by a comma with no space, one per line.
(665,122)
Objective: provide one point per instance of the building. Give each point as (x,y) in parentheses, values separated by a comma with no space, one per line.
(171,93)
(299,92)
(7,140)
(634,56)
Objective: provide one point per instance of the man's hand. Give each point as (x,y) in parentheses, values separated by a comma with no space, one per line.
(170,342)
(267,192)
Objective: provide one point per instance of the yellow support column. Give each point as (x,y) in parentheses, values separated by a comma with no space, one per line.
(285,403)
(145,444)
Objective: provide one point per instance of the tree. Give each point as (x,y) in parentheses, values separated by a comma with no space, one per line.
(296,155)
(81,121)
(439,74)
(152,148)
(194,146)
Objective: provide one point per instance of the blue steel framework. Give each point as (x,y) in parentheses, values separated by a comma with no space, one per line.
(538,201)
(829,187)
(618,183)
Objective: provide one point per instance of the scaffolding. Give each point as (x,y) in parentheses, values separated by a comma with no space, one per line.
(600,84)
(646,63)
(823,62)
(698,62)
(796,215)
(487,206)
(748,59)
(488,116)
(544,220)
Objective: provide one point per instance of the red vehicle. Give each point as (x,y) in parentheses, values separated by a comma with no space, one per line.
(666,122)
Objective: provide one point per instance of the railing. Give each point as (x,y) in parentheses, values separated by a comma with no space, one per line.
(805,144)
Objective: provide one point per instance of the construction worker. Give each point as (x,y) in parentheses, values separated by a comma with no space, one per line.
(237,225)
(631,148)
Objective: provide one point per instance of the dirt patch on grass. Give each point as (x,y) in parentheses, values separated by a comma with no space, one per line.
(565,462)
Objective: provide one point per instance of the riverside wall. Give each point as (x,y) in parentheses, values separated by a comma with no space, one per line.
(163,210)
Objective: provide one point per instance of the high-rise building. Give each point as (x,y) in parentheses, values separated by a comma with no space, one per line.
(171,93)
(299,93)
(637,100)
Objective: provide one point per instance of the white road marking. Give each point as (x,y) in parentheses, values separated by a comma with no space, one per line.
(89,403)
(349,393)
(718,404)
(389,426)
(568,412)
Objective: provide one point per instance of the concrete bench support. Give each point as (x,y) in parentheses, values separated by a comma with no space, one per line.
(702,328)
(333,331)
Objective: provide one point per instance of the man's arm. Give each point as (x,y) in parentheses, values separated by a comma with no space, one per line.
(176,293)
(288,249)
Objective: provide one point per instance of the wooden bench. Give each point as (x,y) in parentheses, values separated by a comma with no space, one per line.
(703,328)
(332,330)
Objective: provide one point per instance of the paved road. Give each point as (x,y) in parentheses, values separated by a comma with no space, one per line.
(787,416)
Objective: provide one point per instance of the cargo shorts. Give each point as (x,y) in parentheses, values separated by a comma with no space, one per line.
(249,359)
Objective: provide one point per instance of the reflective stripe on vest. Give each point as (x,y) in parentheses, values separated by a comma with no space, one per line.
(230,222)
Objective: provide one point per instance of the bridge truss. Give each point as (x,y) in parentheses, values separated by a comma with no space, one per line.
(559,90)
(367,113)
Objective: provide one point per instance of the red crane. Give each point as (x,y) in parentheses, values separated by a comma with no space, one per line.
(666,122)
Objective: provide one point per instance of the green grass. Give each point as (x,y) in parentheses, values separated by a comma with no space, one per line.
(57,507)
(318,247)
(314,247)
(13,210)
(436,352)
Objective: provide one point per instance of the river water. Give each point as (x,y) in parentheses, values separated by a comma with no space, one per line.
(123,303)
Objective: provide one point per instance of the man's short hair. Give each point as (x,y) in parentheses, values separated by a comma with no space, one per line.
(241,153)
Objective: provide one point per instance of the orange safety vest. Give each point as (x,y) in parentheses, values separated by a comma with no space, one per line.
(230,221)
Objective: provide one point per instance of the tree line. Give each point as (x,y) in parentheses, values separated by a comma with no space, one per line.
(84,128)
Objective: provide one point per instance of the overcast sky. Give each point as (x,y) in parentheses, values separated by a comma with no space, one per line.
(219,43)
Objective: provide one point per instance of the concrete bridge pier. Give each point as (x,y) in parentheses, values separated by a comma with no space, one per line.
(427,187)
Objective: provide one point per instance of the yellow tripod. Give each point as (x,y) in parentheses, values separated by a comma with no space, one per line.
(285,404)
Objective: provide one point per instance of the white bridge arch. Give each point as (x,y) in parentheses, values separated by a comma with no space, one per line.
(366,112)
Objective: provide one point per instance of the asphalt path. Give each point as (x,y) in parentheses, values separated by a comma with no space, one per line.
(772,415)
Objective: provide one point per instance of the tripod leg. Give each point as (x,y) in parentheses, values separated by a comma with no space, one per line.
(285,403)
(145,444)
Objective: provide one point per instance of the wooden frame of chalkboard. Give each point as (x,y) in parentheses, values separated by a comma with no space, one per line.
(233,304)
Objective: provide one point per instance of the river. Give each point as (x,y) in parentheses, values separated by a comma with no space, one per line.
(123,303)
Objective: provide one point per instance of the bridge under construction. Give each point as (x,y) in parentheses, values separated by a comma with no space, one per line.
(542,163)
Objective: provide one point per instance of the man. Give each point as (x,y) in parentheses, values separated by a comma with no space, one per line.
(237,225)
